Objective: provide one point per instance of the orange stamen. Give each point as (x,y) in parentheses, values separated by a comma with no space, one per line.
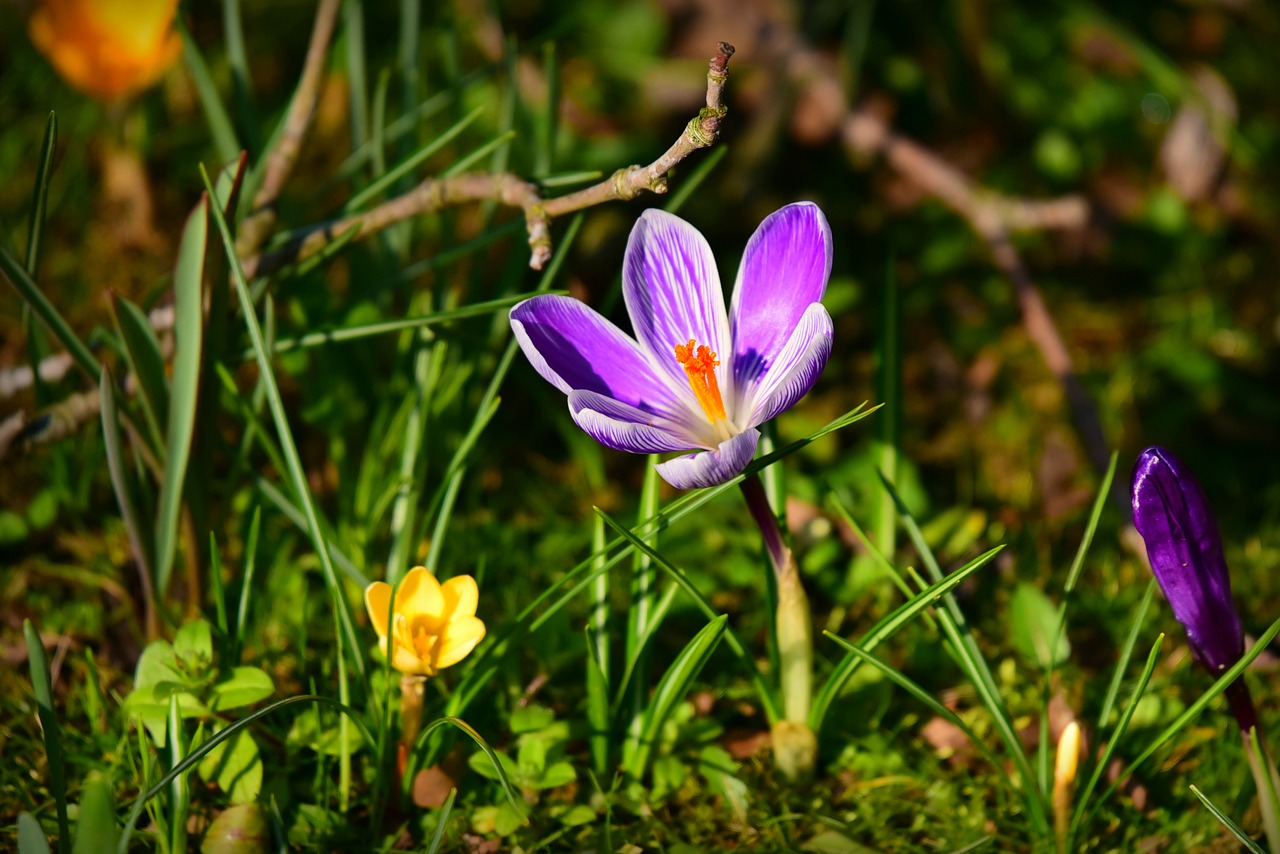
(699,362)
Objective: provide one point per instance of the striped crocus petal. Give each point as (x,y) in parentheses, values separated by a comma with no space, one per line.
(575,348)
(626,428)
(673,294)
(784,272)
(711,468)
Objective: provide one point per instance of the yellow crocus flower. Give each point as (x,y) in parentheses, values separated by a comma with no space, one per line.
(434,625)
(107,48)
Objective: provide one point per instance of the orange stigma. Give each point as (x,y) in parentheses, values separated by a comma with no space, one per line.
(699,362)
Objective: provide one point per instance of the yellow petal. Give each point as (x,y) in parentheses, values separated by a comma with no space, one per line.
(377,599)
(460,596)
(406,662)
(420,595)
(458,639)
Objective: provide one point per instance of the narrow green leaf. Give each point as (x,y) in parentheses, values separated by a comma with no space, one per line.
(673,687)
(359,200)
(956,628)
(902,681)
(297,475)
(766,694)
(1225,820)
(1193,711)
(220,125)
(1126,653)
(494,757)
(40,195)
(1095,513)
(466,162)
(195,756)
(246,583)
(40,681)
(146,361)
(889,624)
(30,291)
(188,278)
(96,828)
(31,838)
(124,496)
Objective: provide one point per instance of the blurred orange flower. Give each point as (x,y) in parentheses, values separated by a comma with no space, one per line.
(107,48)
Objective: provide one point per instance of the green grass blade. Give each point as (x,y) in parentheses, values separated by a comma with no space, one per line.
(41,682)
(405,503)
(357,72)
(225,141)
(660,610)
(1225,820)
(1122,725)
(1230,675)
(118,471)
(188,330)
(96,828)
(517,803)
(767,697)
(241,82)
(246,583)
(464,163)
(905,683)
(409,164)
(442,821)
(689,185)
(31,838)
(480,667)
(297,476)
(40,195)
(597,691)
(30,291)
(1126,653)
(956,628)
(193,758)
(877,556)
(146,361)
(673,686)
(889,624)
(1099,501)
(299,520)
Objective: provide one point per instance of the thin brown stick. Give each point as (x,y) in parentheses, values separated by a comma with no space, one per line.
(281,159)
(434,194)
(629,182)
(994,218)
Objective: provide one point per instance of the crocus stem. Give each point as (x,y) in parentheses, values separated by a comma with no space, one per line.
(413,689)
(795,745)
(1261,764)
(767,521)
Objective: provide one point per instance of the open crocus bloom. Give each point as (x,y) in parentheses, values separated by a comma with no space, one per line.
(434,625)
(693,378)
(107,48)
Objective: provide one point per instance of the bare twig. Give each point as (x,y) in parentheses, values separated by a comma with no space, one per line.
(255,228)
(435,194)
(629,182)
(994,218)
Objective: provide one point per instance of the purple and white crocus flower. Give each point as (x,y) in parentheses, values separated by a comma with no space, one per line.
(694,378)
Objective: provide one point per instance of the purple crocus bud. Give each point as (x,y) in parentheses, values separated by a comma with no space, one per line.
(1185,549)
